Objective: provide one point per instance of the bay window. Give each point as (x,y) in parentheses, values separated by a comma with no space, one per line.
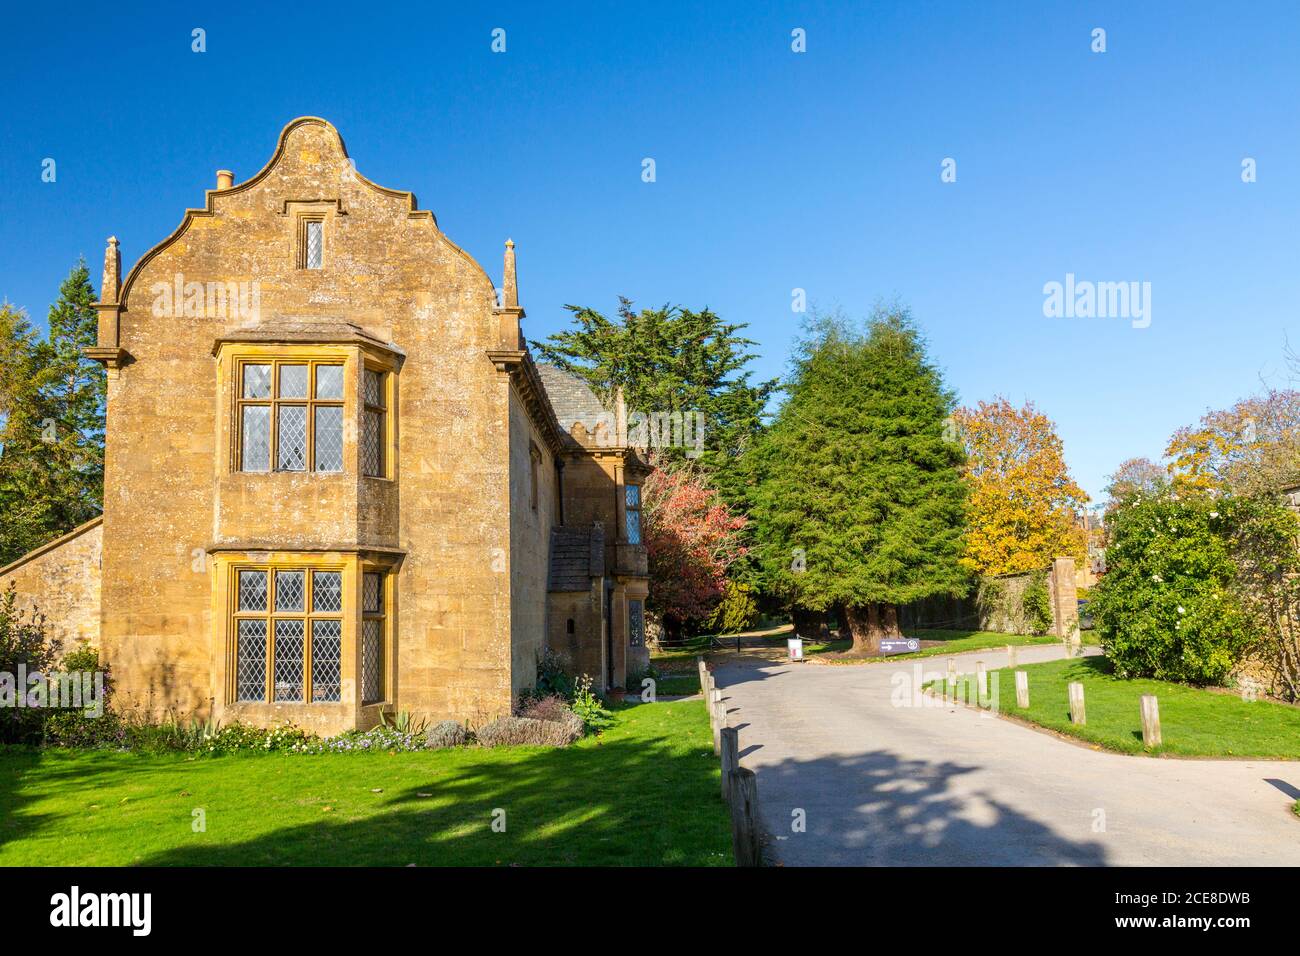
(290,415)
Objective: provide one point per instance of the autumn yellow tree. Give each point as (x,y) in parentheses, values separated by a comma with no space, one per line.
(1252,447)
(1023,503)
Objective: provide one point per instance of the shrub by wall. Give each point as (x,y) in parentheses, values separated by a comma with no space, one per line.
(1166,607)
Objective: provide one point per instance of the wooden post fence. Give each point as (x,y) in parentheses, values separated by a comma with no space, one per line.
(1150,710)
(982,681)
(1011,655)
(719,718)
(744,818)
(1022,690)
(730,760)
(1078,715)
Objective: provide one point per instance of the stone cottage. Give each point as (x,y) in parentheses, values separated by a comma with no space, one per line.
(336,481)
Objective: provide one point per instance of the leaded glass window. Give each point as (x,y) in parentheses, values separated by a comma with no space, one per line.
(291,416)
(255,437)
(329,381)
(326,591)
(252,591)
(288,626)
(326,661)
(292,443)
(372,637)
(290,590)
(329,438)
(313,243)
(289,668)
(293,381)
(635,624)
(374,425)
(250,661)
(632,513)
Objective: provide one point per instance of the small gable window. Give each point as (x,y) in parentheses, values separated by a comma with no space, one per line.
(313,243)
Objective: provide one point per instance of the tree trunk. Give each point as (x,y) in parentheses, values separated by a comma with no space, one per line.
(810,625)
(672,630)
(869,624)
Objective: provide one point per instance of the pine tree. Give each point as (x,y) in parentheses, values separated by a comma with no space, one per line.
(673,359)
(51,421)
(76,394)
(860,502)
(25,499)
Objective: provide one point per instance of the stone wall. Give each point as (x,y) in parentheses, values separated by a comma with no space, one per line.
(531,520)
(997,604)
(62,581)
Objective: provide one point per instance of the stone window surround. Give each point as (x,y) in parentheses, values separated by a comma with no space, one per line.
(233,354)
(308,613)
(273,400)
(299,212)
(353,565)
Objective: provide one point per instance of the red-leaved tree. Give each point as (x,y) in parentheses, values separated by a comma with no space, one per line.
(691,539)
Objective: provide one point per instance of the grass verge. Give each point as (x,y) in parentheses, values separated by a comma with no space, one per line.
(1194,722)
(643,793)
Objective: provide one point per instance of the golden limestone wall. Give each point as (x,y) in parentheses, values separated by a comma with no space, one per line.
(173,501)
(531,520)
(61,580)
(584,648)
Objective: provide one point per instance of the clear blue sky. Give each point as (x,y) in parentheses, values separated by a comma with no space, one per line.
(775,170)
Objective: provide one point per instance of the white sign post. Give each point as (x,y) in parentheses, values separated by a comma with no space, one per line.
(795,644)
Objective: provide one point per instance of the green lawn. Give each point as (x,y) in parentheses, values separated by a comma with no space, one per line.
(1193,722)
(677,685)
(643,793)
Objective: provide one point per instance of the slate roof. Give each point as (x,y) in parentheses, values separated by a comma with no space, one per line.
(572,399)
(577,556)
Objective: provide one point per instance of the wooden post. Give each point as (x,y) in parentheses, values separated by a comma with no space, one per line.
(1150,720)
(1011,655)
(719,720)
(982,679)
(730,759)
(1022,690)
(952,670)
(744,818)
(1077,713)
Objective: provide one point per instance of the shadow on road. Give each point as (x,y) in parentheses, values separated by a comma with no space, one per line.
(881,809)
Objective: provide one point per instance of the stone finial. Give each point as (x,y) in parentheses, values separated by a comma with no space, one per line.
(112,285)
(510,288)
(225,179)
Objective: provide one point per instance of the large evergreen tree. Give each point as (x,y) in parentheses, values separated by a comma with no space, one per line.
(51,421)
(673,359)
(25,513)
(860,502)
(76,396)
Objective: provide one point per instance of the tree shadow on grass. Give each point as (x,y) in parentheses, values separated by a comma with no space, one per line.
(24,773)
(624,802)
